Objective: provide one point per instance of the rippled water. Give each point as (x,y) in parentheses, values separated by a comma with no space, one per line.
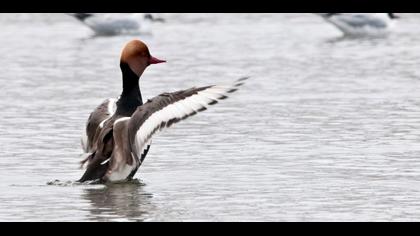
(327,129)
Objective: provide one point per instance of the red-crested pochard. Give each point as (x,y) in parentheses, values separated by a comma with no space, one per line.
(119,132)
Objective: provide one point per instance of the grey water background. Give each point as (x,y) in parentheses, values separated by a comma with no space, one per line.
(327,129)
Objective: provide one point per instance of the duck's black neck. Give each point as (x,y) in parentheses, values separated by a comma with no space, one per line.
(130,97)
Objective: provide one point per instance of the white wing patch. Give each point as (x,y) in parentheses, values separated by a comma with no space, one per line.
(121,119)
(178,111)
(112,106)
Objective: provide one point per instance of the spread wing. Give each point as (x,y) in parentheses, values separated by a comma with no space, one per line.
(168,108)
(95,122)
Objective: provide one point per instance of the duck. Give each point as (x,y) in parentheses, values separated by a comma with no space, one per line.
(362,24)
(154,17)
(118,131)
(114,24)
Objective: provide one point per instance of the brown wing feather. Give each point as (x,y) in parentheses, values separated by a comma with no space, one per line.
(98,115)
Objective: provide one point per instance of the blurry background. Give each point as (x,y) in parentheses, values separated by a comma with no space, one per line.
(327,129)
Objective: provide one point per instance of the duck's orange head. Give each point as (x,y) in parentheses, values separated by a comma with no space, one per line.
(137,56)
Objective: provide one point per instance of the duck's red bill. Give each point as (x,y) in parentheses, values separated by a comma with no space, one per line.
(154,60)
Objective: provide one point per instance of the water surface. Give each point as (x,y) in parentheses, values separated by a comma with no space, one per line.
(327,129)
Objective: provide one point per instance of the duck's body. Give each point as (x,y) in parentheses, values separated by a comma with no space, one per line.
(99,142)
(362,24)
(118,132)
(113,24)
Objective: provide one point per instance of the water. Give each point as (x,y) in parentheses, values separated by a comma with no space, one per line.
(327,129)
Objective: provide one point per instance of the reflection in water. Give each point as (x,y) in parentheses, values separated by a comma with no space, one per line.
(125,201)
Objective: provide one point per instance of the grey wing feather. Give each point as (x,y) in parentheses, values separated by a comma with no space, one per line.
(96,119)
(168,108)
